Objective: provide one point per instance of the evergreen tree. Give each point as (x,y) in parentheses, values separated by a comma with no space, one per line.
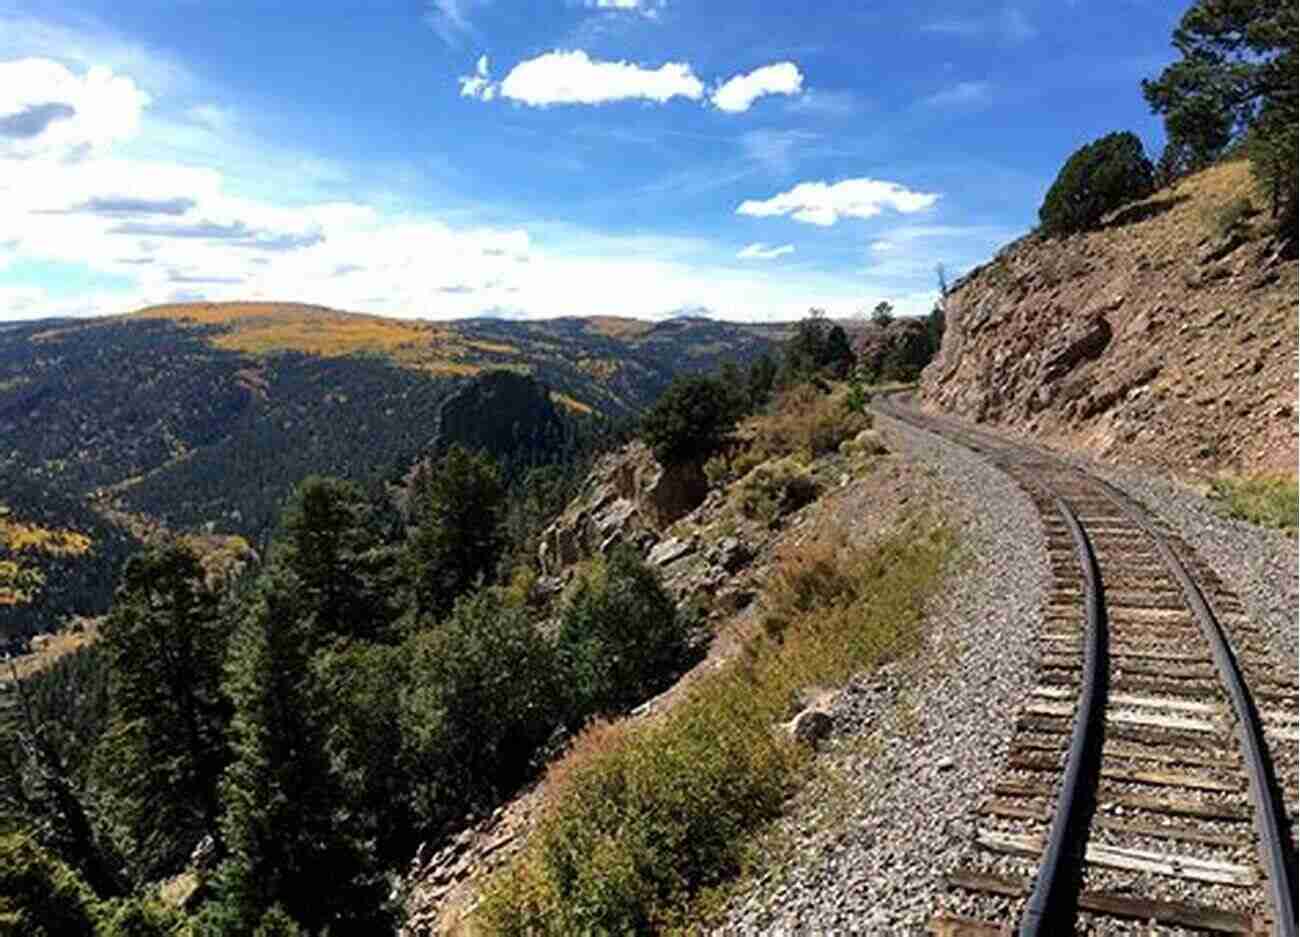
(291,839)
(39,895)
(689,420)
(165,746)
(330,538)
(484,693)
(1236,79)
(762,376)
(621,638)
(1096,179)
(458,532)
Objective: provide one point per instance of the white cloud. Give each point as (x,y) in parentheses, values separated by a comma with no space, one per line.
(737,93)
(478,85)
(47,110)
(575,78)
(883,246)
(760,251)
(822,204)
(964,94)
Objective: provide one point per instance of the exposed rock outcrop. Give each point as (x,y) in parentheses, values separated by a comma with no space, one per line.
(1156,340)
(629,498)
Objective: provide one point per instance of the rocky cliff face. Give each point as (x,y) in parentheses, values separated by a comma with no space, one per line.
(629,498)
(1168,337)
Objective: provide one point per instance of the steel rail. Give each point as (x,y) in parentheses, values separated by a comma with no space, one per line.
(1269,825)
(1268,820)
(1049,903)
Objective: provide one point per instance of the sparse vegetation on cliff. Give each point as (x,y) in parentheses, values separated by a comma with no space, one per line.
(641,817)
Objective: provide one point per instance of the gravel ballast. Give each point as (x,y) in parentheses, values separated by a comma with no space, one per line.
(917,742)
(1258,564)
(921,741)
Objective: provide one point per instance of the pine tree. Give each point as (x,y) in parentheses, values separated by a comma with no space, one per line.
(287,824)
(165,748)
(458,532)
(1236,80)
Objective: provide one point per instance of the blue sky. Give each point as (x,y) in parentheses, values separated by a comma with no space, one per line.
(551,157)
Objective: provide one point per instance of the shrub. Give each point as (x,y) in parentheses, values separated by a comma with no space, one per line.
(1269,502)
(774,489)
(1228,217)
(481,698)
(39,895)
(640,817)
(690,418)
(806,422)
(717,470)
(621,638)
(1096,179)
(141,917)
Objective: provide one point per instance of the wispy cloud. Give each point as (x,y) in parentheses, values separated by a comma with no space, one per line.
(823,204)
(647,8)
(450,19)
(760,251)
(821,102)
(1009,23)
(775,149)
(970,95)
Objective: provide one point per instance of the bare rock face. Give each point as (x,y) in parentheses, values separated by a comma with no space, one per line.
(629,498)
(1160,340)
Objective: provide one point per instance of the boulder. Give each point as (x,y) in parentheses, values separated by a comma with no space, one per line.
(811,726)
(674,548)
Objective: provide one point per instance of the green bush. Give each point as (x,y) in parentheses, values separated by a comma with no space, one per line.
(773,489)
(1269,502)
(481,698)
(1228,217)
(641,816)
(621,638)
(690,418)
(1095,180)
(141,917)
(39,895)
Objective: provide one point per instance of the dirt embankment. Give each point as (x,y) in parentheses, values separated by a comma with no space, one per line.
(1166,338)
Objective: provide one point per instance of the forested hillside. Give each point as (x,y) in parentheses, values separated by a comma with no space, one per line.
(202,417)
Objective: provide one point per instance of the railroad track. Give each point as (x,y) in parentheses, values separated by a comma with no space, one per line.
(1150,782)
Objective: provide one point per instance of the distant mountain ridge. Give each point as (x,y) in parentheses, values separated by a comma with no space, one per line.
(202,416)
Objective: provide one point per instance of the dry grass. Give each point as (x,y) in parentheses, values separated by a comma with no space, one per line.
(51,648)
(618,327)
(569,403)
(805,422)
(643,818)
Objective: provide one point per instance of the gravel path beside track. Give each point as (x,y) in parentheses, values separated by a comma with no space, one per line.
(917,743)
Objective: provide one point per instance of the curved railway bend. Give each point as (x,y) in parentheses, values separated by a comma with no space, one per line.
(1150,785)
